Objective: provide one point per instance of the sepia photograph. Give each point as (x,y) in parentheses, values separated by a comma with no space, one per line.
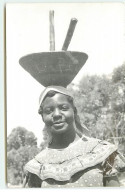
(65,86)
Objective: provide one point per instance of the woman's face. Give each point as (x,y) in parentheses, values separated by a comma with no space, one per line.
(58,113)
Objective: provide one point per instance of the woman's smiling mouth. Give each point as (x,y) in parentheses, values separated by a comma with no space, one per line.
(59,123)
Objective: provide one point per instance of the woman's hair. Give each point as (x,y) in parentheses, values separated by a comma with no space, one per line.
(80,129)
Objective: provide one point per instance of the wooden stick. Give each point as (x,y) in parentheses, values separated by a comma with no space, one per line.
(52,33)
(69,33)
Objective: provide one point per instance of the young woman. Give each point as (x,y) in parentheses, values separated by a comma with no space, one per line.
(70,157)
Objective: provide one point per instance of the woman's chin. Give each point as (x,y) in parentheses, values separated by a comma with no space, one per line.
(60,128)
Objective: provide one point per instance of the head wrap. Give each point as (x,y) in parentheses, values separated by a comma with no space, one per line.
(58,89)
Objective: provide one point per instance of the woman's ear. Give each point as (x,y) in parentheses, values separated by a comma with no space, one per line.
(40,112)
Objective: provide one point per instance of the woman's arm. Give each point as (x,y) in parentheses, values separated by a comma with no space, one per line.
(111,181)
(32,181)
(114,164)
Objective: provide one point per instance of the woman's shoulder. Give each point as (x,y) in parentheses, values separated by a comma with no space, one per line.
(33,166)
(95,144)
(113,160)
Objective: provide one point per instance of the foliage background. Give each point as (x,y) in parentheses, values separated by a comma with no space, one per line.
(100,101)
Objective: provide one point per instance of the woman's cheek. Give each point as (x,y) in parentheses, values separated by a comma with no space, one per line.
(47,119)
(69,116)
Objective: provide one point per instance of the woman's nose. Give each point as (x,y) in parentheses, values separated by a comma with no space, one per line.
(56,112)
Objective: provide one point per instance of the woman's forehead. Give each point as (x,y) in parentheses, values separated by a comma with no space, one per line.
(58,98)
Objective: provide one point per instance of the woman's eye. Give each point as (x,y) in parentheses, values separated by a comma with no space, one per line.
(48,110)
(64,107)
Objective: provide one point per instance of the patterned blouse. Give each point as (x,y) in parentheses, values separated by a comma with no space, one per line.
(84,163)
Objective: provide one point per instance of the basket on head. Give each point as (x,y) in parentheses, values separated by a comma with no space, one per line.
(55,67)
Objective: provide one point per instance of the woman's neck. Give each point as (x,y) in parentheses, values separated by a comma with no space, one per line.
(63,140)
